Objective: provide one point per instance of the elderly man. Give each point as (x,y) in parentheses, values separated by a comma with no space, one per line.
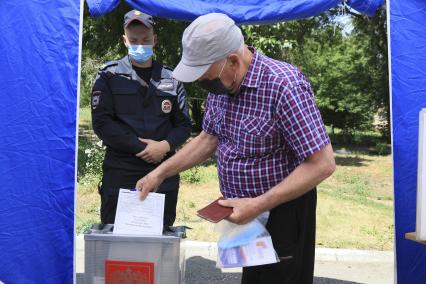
(271,144)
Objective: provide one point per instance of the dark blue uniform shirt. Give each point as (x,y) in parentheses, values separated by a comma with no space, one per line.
(125,107)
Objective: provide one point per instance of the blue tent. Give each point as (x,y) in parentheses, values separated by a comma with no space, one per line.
(249,11)
(407,24)
(39,91)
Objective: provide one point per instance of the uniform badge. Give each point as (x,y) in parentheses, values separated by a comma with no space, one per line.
(166,86)
(96,98)
(166,106)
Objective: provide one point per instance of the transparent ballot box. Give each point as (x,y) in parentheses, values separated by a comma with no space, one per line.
(111,258)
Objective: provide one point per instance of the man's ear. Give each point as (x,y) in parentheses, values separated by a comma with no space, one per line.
(124,40)
(234,59)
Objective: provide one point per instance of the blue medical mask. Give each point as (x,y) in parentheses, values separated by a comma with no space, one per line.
(140,53)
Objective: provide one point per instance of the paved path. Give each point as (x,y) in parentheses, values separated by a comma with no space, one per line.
(332,266)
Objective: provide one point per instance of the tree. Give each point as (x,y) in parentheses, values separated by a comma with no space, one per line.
(373,33)
(338,74)
(335,64)
(102,41)
(348,72)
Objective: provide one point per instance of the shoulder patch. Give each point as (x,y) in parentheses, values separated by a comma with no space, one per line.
(96,99)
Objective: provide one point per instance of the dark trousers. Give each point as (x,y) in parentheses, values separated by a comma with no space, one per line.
(113,180)
(292,228)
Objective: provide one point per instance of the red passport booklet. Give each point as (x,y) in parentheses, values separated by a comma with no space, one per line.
(215,212)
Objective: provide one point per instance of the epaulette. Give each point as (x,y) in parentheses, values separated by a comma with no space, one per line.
(167,67)
(107,65)
(169,71)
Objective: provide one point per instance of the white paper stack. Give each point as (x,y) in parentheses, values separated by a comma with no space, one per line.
(421,179)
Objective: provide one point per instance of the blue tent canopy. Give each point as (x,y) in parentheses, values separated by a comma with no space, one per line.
(407,23)
(38,86)
(38,94)
(243,12)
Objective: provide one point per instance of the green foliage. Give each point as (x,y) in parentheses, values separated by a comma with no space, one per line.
(339,78)
(103,42)
(335,64)
(372,32)
(192,175)
(356,139)
(348,71)
(85,226)
(90,156)
(382,149)
(89,67)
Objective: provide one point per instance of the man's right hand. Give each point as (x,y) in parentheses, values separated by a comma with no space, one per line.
(148,183)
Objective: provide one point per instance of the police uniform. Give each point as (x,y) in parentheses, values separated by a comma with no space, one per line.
(125,107)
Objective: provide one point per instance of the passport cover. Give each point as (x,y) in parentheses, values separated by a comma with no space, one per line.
(215,212)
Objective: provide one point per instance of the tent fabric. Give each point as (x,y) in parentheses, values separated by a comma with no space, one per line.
(408,58)
(38,92)
(243,12)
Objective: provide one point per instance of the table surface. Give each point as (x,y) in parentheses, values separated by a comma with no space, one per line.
(412,236)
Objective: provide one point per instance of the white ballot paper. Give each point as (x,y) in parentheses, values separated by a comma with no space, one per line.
(136,217)
(421,179)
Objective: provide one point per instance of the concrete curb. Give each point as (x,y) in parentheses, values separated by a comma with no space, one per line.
(209,250)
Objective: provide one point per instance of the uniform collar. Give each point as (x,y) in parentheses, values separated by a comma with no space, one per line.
(125,67)
(252,78)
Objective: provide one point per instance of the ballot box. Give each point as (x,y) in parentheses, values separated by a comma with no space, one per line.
(111,258)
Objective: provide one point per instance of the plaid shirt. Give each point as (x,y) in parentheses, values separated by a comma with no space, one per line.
(265,131)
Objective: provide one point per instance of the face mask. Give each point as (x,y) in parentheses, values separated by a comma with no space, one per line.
(140,53)
(215,85)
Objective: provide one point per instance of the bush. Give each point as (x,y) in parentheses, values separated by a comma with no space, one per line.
(382,149)
(192,175)
(89,69)
(356,138)
(90,156)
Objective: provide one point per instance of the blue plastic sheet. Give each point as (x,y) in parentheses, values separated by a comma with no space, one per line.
(38,94)
(408,61)
(248,11)
(38,87)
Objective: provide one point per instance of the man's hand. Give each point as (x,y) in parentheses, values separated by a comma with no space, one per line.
(148,183)
(154,151)
(245,209)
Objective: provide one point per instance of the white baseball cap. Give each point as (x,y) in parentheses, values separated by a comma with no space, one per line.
(206,40)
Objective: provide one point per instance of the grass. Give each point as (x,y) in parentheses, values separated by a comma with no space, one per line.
(85,117)
(88,203)
(355,208)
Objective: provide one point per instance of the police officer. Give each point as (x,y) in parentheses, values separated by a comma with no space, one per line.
(140,113)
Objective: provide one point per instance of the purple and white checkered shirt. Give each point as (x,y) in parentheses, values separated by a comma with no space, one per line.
(267,130)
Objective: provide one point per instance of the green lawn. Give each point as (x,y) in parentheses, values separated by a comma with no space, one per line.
(84,117)
(355,206)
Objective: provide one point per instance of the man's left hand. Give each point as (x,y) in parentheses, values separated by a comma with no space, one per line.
(245,209)
(154,152)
